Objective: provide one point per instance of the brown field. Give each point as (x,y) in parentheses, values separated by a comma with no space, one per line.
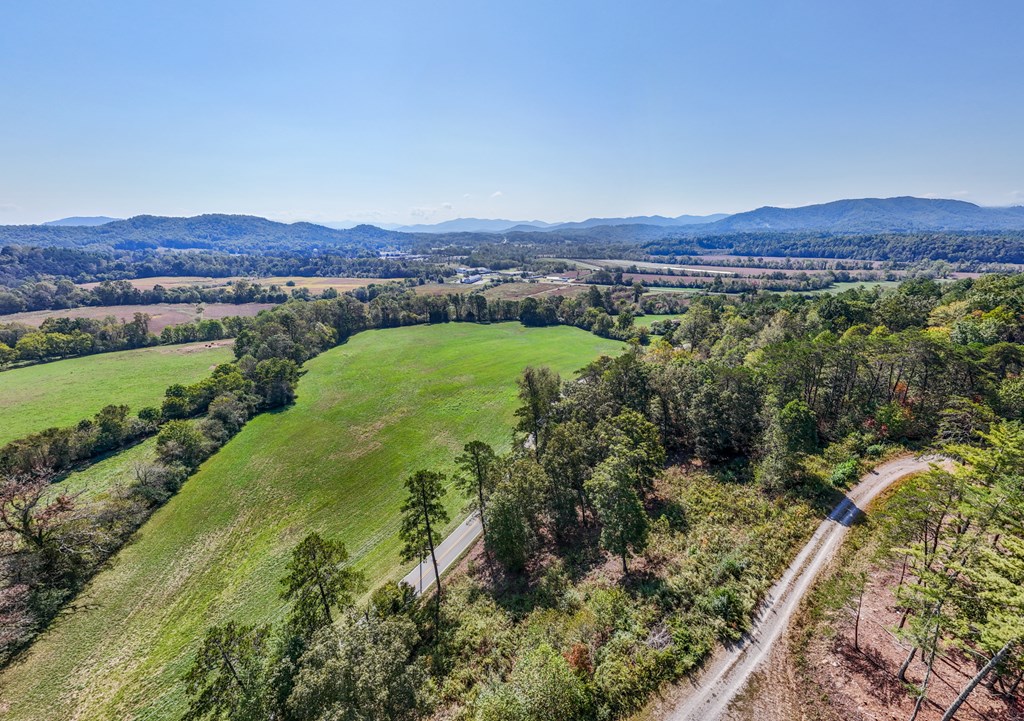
(161,314)
(314,284)
(443,288)
(518,291)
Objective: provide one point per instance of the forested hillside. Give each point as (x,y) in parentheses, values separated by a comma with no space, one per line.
(643,508)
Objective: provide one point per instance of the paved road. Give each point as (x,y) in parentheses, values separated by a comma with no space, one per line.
(731,667)
(422,577)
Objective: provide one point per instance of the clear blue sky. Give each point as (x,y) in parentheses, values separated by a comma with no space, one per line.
(413,111)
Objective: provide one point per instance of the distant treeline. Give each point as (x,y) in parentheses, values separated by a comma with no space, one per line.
(970,251)
(965,247)
(21,264)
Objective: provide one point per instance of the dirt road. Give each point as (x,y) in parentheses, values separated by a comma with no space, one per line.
(710,694)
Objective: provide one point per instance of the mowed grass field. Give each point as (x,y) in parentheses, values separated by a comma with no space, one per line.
(368,414)
(64,392)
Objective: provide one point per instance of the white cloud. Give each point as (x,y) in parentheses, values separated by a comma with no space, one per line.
(426,212)
(9,208)
(467,196)
(496,194)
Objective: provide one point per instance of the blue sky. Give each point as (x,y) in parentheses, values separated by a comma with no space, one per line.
(423,111)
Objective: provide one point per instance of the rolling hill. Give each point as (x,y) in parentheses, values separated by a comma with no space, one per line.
(232,233)
(368,413)
(874,215)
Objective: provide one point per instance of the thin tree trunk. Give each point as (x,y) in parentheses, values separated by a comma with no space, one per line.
(480,499)
(993,662)
(902,675)
(928,674)
(231,667)
(327,606)
(856,625)
(433,559)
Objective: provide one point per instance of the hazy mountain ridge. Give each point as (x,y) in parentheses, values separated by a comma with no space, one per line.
(474,225)
(252,234)
(871,215)
(231,233)
(83,220)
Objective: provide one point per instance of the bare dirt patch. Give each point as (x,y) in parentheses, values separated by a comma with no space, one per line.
(862,683)
(822,672)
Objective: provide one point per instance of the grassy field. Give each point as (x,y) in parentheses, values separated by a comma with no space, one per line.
(94,482)
(840,287)
(648,320)
(368,414)
(64,392)
(161,314)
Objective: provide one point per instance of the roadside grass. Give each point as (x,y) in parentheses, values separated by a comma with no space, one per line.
(368,413)
(64,392)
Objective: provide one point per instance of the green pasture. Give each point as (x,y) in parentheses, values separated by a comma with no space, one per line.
(61,393)
(368,414)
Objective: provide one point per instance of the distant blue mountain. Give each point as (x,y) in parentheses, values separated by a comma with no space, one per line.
(83,220)
(656,220)
(474,225)
(874,215)
(485,225)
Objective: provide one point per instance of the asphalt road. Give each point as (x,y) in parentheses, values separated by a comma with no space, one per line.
(710,694)
(448,551)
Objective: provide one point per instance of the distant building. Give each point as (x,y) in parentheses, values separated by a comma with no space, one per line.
(472,279)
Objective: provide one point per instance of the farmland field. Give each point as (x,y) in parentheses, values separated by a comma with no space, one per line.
(368,413)
(64,392)
(161,314)
(315,284)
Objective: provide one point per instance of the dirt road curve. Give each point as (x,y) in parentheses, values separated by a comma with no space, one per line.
(730,668)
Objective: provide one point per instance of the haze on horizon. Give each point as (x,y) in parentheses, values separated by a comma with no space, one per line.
(412,113)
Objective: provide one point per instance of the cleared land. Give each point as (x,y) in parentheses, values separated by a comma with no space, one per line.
(648,320)
(315,284)
(368,413)
(64,392)
(161,314)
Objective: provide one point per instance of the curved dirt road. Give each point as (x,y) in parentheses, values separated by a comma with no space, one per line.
(731,667)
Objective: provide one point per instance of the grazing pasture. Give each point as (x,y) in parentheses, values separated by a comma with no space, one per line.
(161,314)
(64,392)
(368,413)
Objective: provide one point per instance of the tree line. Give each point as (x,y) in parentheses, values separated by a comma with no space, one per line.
(59,338)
